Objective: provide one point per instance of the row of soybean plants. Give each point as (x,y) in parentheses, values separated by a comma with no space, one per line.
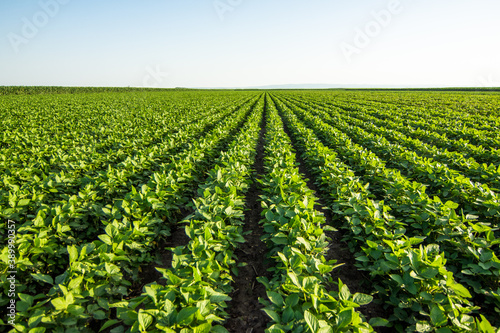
(479,147)
(420,129)
(455,112)
(78,218)
(432,145)
(481,163)
(471,246)
(192,295)
(456,162)
(447,183)
(453,129)
(63,168)
(61,133)
(300,293)
(74,216)
(26,188)
(471,102)
(71,281)
(410,273)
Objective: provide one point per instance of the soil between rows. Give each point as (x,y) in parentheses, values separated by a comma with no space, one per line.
(245,314)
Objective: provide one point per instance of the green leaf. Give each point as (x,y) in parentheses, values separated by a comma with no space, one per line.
(288,315)
(174,279)
(269,216)
(345,318)
(99,315)
(397,278)
(219,329)
(309,282)
(292,300)
(203,328)
(36,318)
(274,329)
(378,322)
(273,315)
(423,326)
(185,316)
(326,329)
(119,329)
(108,324)
(479,227)
(280,240)
(73,253)
(105,239)
(37,330)
(75,283)
(22,306)
(219,297)
(145,320)
(26,298)
(460,290)
(345,294)
(485,326)
(429,273)
(42,277)
(362,299)
(275,298)
(447,330)
(451,204)
(294,278)
(59,303)
(438,317)
(23,202)
(409,282)
(363,259)
(311,321)
(76,310)
(486,256)
(306,244)
(283,257)
(151,293)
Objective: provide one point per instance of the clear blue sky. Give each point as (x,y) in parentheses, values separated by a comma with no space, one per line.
(239,43)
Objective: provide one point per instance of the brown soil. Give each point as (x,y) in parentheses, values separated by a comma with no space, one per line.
(245,314)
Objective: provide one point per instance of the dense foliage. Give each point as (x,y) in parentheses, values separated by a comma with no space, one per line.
(96,182)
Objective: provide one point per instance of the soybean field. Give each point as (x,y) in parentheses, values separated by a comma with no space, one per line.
(196,211)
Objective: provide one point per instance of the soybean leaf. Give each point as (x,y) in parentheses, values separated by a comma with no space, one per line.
(43,278)
(275,298)
(311,321)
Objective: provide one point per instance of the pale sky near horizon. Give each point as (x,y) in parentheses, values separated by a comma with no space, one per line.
(242,43)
